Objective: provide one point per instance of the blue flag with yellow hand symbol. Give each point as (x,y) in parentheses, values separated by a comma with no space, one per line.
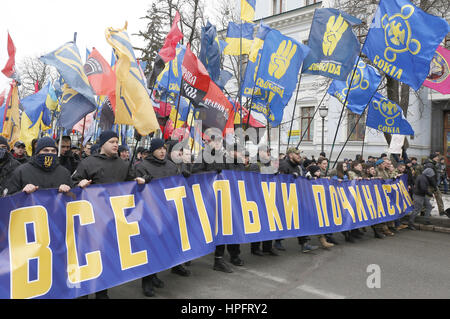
(277,74)
(360,89)
(253,60)
(402,41)
(333,44)
(78,96)
(386,116)
(168,82)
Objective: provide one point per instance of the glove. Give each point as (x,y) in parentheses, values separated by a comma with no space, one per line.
(186,174)
(148,178)
(219,171)
(295,174)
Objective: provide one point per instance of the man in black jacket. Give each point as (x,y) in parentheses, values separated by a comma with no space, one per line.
(291,165)
(67,157)
(41,172)
(7,165)
(20,153)
(156,165)
(421,191)
(104,167)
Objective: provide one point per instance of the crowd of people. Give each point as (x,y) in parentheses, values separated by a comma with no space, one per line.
(108,162)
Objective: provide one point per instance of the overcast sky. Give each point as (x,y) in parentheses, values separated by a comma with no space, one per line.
(38,27)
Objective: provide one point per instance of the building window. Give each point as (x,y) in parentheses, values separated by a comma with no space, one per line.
(277,6)
(306,119)
(358,132)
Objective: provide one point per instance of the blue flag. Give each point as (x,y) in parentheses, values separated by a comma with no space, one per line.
(168,81)
(333,44)
(386,116)
(277,74)
(210,51)
(33,105)
(253,60)
(402,41)
(67,61)
(363,86)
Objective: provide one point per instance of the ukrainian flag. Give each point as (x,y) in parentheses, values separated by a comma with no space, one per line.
(233,38)
(248,10)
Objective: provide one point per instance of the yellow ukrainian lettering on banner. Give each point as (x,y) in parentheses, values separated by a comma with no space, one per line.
(405,193)
(387,189)
(380,208)
(290,203)
(360,211)
(247,207)
(273,215)
(223,186)
(369,201)
(335,206)
(346,204)
(202,214)
(177,194)
(93,267)
(321,206)
(124,230)
(22,250)
(397,198)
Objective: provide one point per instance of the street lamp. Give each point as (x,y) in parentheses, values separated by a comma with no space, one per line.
(323,112)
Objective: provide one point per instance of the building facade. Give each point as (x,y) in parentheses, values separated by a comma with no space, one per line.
(428,112)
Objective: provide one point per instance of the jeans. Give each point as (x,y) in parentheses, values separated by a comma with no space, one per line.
(419,202)
(443,179)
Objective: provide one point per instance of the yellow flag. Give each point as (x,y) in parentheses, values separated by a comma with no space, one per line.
(27,133)
(133,105)
(11,125)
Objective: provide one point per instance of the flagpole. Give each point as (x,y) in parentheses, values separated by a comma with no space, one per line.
(364,137)
(293,114)
(165,107)
(178,106)
(343,108)
(348,137)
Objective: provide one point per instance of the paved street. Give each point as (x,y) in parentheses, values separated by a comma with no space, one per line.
(413,264)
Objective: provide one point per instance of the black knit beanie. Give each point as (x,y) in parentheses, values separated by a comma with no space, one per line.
(44,142)
(4,141)
(105,136)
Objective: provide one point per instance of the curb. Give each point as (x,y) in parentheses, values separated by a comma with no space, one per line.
(439,224)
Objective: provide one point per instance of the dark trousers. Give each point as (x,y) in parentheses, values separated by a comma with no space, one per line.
(266,246)
(303,240)
(234,250)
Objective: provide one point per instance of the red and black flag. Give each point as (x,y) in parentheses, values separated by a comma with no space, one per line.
(168,51)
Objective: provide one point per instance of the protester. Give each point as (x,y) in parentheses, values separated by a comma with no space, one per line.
(20,153)
(124,152)
(323,165)
(43,171)
(264,166)
(442,177)
(421,191)
(86,150)
(432,162)
(104,167)
(292,165)
(155,166)
(7,166)
(67,158)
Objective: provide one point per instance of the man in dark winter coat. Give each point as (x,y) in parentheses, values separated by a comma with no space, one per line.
(421,191)
(20,153)
(432,163)
(41,172)
(104,167)
(291,165)
(67,157)
(214,159)
(7,165)
(156,165)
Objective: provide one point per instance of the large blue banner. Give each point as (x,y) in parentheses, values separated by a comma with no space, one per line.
(64,246)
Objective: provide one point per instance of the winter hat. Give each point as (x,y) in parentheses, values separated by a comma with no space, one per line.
(44,142)
(106,136)
(313,168)
(155,144)
(4,141)
(379,162)
(428,172)
(123,148)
